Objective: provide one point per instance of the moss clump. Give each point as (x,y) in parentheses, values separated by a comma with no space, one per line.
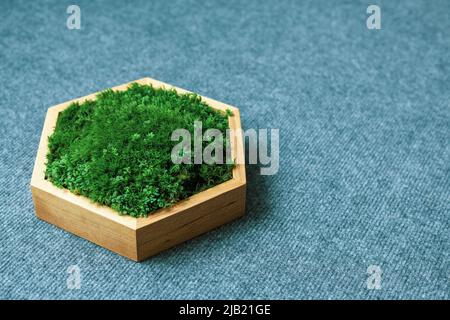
(116,150)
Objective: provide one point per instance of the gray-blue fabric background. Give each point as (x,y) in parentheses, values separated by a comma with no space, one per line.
(364,119)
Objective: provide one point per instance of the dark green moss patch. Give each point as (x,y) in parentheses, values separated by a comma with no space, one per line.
(116,150)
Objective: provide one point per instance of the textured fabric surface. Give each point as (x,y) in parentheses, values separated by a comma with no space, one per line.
(364,118)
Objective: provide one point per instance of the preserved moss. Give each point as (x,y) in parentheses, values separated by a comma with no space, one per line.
(116,150)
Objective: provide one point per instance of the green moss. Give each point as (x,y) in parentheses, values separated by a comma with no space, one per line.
(116,150)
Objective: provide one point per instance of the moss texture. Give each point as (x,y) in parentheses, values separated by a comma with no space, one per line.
(116,150)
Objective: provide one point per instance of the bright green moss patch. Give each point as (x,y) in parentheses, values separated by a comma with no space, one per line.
(116,150)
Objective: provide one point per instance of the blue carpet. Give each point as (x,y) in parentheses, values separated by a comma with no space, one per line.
(364,118)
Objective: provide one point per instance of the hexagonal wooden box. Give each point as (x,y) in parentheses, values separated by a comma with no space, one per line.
(139,238)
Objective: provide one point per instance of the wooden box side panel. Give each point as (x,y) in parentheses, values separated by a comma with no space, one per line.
(185,225)
(84,223)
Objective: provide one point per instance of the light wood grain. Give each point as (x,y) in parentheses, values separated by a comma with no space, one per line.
(139,238)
